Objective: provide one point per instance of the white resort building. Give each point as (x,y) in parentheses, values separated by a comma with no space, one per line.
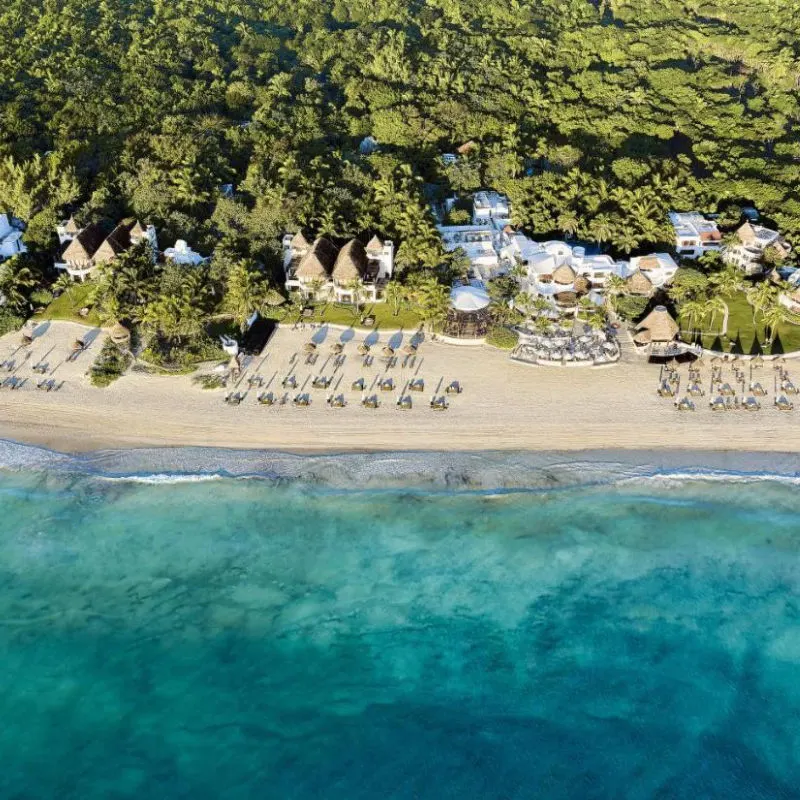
(322,271)
(11,243)
(181,253)
(85,249)
(754,242)
(694,234)
(488,207)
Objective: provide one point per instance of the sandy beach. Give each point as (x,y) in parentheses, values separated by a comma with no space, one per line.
(504,405)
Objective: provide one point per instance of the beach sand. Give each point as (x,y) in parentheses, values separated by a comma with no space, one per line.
(504,406)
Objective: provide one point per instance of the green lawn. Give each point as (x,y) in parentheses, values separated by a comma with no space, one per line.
(344,314)
(743,335)
(69,304)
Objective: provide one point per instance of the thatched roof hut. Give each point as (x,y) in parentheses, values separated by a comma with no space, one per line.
(309,347)
(299,242)
(363,349)
(120,335)
(71,226)
(643,337)
(351,263)
(564,275)
(660,325)
(84,245)
(639,284)
(374,246)
(318,262)
(582,285)
(118,241)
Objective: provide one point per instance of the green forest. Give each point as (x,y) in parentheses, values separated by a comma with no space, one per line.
(595,118)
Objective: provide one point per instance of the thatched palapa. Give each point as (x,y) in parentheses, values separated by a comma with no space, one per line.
(564,275)
(351,263)
(318,262)
(84,245)
(374,246)
(660,325)
(639,284)
(120,335)
(118,241)
(299,242)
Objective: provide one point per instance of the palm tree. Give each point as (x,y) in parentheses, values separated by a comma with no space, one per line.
(774,315)
(693,312)
(395,295)
(245,293)
(615,286)
(714,305)
(65,283)
(727,282)
(15,280)
(761,296)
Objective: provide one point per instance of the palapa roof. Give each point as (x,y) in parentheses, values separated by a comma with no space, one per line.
(649,262)
(137,230)
(582,284)
(118,241)
(318,261)
(643,337)
(659,323)
(638,283)
(374,245)
(299,242)
(351,263)
(84,245)
(71,226)
(119,333)
(564,275)
(746,233)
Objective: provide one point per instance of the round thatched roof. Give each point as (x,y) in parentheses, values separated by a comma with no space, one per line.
(643,337)
(309,347)
(351,263)
(582,284)
(639,284)
(388,351)
(119,334)
(660,324)
(564,275)
(374,245)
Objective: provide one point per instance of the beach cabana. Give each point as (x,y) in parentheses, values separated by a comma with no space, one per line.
(637,283)
(659,325)
(120,335)
(468,317)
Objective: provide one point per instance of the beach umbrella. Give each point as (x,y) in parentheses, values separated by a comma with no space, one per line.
(27,340)
(715,360)
(309,347)
(388,351)
(363,349)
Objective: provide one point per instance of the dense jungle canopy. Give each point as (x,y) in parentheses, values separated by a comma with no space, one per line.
(595,118)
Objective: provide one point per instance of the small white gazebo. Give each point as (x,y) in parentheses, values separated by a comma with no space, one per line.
(469,299)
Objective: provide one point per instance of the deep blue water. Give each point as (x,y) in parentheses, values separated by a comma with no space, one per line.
(234,639)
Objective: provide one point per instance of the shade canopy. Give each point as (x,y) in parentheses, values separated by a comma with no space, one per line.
(469,298)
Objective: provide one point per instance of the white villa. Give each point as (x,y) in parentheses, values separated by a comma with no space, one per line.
(181,253)
(754,241)
(489,208)
(694,234)
(85,249)
(322,271)
(481,244)
(11,243)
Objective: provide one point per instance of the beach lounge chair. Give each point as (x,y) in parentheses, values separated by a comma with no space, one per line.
(266,398)
(454,388)
(717,404)
(302,400)
(387,385)
(417,385)
(321,382)
(666,390)
(234,399)
(695,390)
(685,404)
(726,390)
(337,402)
(782,403)
(289,382)
(788,387)
(439,403)
(358,385)
(371,401)
(255,380)
(751,404)
(404,402)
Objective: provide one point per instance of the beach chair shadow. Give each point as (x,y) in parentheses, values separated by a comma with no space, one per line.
(396,340)
(372,338)
(320,335)
(347,336)
(40,330)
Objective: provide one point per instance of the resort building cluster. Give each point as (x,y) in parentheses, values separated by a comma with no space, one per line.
(86,248)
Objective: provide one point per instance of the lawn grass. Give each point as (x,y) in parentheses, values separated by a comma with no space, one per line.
(744,336)
(67,306)
(344,314)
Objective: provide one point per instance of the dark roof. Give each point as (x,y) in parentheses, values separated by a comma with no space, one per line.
(118,241)
(85,244)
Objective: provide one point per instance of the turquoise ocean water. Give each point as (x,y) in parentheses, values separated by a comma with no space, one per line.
(242,638)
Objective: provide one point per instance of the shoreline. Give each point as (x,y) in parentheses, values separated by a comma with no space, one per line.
(488,470)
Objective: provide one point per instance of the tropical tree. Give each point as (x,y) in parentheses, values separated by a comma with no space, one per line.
(246,292)
(615,286)
(761,296)
(16,282)
(395,295)
(774,315)
(727,282)
(693,312)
